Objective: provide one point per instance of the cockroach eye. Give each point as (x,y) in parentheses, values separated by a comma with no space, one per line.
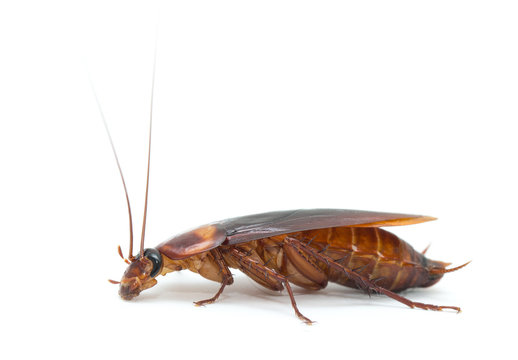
(156,258)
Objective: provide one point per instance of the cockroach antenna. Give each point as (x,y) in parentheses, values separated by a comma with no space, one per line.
(130,256)
(149,146)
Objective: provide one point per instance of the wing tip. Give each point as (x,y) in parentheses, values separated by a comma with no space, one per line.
(404,220)
(427,218)
(416,219)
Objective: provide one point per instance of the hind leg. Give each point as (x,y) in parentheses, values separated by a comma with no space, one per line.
(361,281)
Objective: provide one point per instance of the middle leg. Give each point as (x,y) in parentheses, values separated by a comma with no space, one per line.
(265,276)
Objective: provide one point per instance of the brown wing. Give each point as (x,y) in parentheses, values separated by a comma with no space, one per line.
(252,227)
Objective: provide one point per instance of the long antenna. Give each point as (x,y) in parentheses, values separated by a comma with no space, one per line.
(149,147)
(130,257)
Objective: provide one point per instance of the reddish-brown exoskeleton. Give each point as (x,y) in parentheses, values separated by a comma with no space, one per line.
(307,248)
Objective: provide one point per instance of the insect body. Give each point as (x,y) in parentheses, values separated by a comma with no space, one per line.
(308,248)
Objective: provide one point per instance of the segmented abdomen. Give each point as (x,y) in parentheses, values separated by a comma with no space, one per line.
(372,252)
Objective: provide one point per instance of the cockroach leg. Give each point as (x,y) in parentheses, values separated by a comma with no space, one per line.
(376,280)
(227,278)
(324,249)
(268,261)
(343,258)
(359,269)
(265,273)
(361,280)
(294,304)
(310,240)
(212,299)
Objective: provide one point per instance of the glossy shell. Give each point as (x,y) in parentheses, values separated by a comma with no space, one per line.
(253,227)
(193,242)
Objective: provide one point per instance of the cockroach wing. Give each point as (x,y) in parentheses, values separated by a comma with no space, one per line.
(193,242)
(254,227)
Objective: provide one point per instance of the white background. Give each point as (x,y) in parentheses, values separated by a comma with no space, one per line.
(399,106)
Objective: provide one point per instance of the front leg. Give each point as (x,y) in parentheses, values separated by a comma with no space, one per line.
(224,272)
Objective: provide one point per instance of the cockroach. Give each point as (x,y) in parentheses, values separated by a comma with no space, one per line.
(307,248)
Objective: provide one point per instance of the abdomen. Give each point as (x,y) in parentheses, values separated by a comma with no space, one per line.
(372,252)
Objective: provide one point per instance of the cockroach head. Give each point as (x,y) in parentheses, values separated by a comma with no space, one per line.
(140,274)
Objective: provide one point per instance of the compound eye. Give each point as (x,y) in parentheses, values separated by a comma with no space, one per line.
(156,258)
